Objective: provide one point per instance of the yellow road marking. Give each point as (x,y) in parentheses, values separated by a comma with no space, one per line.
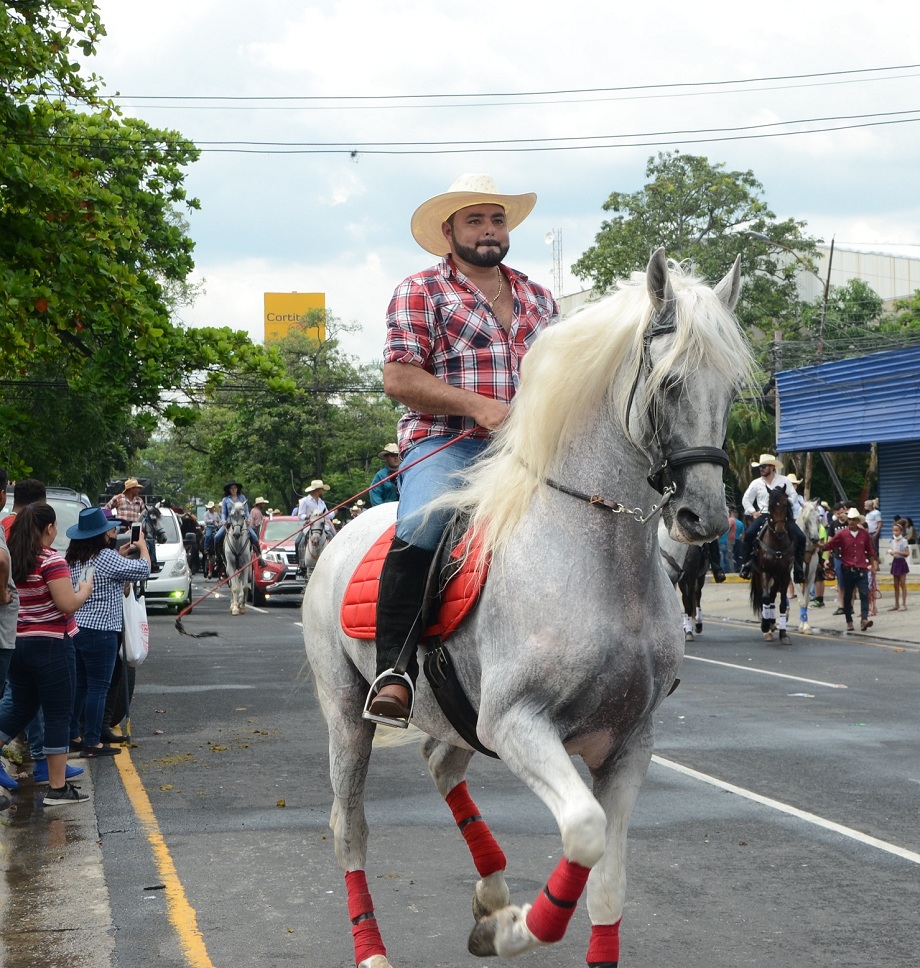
(181,914)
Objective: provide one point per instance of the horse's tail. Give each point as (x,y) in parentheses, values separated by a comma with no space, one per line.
(756,598)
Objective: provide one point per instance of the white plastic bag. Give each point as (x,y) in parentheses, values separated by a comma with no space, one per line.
(137,631)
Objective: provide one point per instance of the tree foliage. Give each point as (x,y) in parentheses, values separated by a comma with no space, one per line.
(93,248)
(331,426)
(704,215)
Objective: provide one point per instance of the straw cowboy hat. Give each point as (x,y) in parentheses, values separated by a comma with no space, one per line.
(792,478)
(389,449)
(317,485)
(852,514)
(767,459)
(131,482)
(258,501)
(466,190)
(91,522)
(209,506)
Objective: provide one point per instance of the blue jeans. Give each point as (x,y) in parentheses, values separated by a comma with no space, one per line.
(35,730)
(428,480)
(41,676)
(96,650)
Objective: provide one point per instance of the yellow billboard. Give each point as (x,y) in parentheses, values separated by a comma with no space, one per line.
(285,309)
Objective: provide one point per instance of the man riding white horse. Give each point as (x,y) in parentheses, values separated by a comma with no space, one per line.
(309,508)
(756,501)
(456,334)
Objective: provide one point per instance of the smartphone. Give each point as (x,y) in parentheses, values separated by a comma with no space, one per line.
(87,573)
(135,533)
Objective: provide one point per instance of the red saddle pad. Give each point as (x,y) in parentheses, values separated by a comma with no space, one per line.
(359,604)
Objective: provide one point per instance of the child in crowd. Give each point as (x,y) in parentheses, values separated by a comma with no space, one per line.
(898,551)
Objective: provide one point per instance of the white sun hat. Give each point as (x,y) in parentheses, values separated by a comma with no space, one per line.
(467,190)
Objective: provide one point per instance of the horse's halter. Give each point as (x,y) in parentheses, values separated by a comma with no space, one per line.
(659,476)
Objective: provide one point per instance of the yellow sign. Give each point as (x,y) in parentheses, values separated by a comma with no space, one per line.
(285,309)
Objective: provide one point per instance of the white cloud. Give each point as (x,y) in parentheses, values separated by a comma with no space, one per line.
(333,223)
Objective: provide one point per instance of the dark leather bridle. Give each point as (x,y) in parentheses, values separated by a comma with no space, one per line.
(660,475)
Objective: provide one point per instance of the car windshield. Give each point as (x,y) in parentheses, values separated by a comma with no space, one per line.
(170,527)
(279,530)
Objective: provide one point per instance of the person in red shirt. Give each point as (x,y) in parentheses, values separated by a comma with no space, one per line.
(456,335)
(858,557)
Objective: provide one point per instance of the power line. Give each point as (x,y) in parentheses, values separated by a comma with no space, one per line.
(519,94)
(575,142)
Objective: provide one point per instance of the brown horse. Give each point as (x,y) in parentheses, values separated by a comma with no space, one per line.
(773,567)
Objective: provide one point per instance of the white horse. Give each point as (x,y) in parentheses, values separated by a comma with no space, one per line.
(808,521)
(575,640)
(238,557)
(315,538)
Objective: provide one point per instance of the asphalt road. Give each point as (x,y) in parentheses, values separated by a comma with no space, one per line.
(778,824)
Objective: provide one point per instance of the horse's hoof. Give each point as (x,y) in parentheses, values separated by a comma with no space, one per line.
(783,637)
(698,627)
(688,636)
(234,610)
(768,636)
(491,895)
(504,933)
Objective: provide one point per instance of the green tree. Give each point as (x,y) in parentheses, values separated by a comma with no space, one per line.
(93,248)
(703,215)
(331,426)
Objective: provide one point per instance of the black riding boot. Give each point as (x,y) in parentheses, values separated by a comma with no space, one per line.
(400,599)
(747,561)
(715,561)
(219,556)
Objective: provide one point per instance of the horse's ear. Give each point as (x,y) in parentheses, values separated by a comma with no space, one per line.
(729,289)
(659,282)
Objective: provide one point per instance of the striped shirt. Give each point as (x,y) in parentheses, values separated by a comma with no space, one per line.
(439,320)
(38,615)
(103,609)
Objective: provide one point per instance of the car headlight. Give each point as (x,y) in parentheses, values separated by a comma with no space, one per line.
(278,556)
(178,568)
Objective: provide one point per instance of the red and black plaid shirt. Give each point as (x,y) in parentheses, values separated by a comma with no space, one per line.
(439,320)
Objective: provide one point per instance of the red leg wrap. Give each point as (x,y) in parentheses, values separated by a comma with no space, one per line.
(364,927)
(604,949)
(487,855)
(553,909)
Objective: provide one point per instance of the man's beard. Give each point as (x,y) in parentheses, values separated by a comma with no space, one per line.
(492,255)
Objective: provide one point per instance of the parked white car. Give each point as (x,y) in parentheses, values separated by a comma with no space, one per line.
(172,584)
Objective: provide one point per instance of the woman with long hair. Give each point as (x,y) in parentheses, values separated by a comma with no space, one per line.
(99,620)
(41,673)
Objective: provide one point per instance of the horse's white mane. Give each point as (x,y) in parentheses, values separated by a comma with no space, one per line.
(579,365)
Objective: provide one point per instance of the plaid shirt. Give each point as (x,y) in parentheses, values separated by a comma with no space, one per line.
(128,509)
(103,609)
(443,323)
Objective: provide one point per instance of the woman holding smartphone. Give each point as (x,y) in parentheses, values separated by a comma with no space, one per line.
(99,620)
(41,670)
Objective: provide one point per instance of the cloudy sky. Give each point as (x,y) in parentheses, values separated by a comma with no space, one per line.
(323,125)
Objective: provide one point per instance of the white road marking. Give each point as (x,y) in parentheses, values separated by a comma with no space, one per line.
(764,672)
(792,811)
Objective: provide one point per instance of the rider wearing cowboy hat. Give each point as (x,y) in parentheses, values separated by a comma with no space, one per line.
(383,491)
(233,494)
(449,386)
(309,507)
(755,502)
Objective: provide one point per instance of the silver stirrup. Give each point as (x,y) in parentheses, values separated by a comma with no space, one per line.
(372,694)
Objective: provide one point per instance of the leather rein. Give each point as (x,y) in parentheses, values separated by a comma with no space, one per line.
(660,475)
